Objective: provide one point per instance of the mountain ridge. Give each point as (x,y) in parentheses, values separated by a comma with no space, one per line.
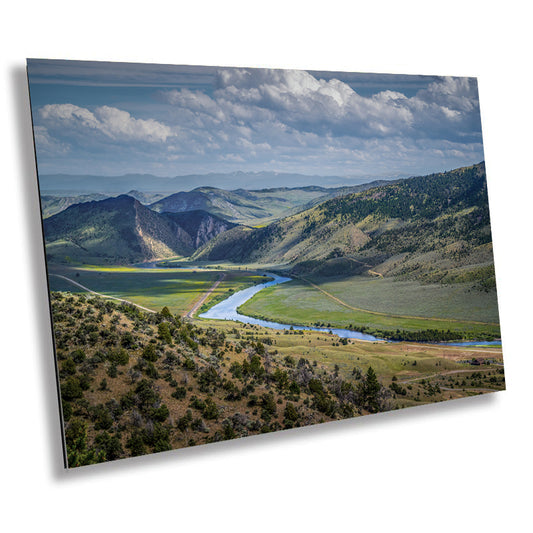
(121,229)
(156,184)
(432,228)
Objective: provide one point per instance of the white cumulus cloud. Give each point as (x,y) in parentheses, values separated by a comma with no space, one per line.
(112,122)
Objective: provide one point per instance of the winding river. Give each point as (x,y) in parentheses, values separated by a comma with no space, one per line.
(227,310)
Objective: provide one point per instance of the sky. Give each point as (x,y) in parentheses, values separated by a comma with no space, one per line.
(119,118)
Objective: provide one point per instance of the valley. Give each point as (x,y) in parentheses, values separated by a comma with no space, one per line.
(176,289)
(302,302)
(375,281)
(394,259)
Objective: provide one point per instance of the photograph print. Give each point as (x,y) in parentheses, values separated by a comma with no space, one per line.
(239,251)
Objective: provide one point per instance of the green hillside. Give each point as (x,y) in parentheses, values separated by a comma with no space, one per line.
(433,228)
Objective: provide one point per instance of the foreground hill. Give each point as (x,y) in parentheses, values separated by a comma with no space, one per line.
(429,227)
(122,230)
(134,383)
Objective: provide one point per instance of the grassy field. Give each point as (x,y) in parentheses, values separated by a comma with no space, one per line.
(457,301)
(178,289)
(297,302)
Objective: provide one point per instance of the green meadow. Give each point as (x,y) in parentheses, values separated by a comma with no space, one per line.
(178,289)
(455,301)
(297,302)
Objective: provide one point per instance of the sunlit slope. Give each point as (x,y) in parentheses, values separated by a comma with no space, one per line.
(433,228)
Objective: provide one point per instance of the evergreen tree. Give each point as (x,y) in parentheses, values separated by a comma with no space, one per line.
(371,389)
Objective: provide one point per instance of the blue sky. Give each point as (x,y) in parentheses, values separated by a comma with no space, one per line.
(118,118)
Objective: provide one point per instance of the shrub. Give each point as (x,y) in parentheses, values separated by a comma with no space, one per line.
(71,389)
(150,353)
(78,356)
(161,413)
(179,393)
(119,357)
(135,444)
(291,413)
(112,370)
(210,411)
(68,367)
(127,340)
(110,444)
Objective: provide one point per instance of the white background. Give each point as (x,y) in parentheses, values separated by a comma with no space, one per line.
(458,466)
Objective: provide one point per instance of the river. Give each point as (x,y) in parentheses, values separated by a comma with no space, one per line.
(227,310)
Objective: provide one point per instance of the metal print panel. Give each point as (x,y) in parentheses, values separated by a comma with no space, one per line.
(236,251)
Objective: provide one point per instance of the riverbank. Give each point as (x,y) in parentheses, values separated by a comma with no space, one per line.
(231,309)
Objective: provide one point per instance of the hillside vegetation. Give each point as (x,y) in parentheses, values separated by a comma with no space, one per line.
(433,228)
(133,383)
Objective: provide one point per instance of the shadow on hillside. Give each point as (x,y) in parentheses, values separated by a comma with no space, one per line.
(40,311)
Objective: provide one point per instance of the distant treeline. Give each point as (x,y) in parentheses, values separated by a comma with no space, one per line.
(425,197)
(425,335)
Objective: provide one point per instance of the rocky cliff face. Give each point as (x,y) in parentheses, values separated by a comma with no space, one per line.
(200,225)
(122,230)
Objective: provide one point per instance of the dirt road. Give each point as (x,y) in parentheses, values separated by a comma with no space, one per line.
(377,313)
(204,297)
(102,295)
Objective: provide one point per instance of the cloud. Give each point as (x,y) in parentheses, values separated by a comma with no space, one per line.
(448,108)
(112,122)
(46,144)
(259,119)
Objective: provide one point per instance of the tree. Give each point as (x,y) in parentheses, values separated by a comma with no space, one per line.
(78,453)
(370,390)
(291,413)
(164,332)
(165,312)
(71,389)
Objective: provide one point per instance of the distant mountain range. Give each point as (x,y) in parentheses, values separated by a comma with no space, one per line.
(65,184)
(253,207)
(433,228)
(239,206)
(51,204)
